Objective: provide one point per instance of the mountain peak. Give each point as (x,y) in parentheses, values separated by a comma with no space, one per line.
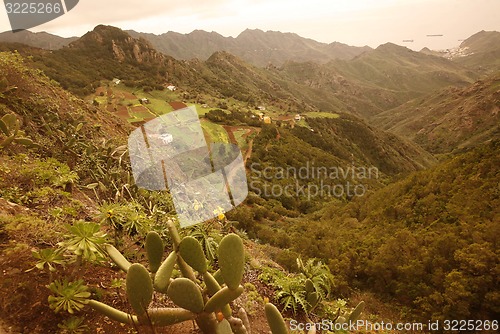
(249,31)
(482,40)
(123,47)
(392,47)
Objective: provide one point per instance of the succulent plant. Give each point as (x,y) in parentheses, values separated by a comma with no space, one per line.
(275,319)
(195,301)
(10,128)
(207,302)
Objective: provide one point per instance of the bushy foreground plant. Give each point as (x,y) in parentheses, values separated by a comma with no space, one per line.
(205,301)
(10,130)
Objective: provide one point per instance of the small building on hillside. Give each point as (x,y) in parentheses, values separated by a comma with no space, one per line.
(298,117)
(144,100)
(267,120)
(171,88)
(116,81)
(166,138)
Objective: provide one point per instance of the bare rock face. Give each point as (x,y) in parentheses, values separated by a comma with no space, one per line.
(118,52)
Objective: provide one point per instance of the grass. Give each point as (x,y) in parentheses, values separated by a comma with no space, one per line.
(240,139)
(199,109)
(215,132)
(323,114)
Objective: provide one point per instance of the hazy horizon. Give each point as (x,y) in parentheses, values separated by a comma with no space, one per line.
(355,22)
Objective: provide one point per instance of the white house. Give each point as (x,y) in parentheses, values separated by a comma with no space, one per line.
(171,88)
(167,138)
(116,81)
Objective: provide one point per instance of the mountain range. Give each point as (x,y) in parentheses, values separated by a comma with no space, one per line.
(255,46)
(371,82)
(41,40)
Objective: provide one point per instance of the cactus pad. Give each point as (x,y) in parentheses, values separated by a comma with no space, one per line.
(113,313)
(221,298)
(139,288)
(154,250)
(118,258)
(191,251)
(275,319)
(186,294)
(232,260)
(162,277)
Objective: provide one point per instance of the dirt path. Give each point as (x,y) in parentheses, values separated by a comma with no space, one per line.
(229,130)
(249,152)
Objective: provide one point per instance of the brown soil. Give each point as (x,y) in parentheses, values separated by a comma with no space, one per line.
(128,96)
(178,105)
(229,130)
(140,109)
(122,112)
(100,90)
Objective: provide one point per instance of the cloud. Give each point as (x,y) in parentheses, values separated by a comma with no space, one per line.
(89,13)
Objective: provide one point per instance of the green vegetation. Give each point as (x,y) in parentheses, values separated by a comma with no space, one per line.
(426,242)
(448,120)
(185,292)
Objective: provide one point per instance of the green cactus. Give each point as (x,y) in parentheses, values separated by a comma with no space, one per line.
(186,294)
(167,316)
(232,260)
(354,316)
(313,300)
(196,301)
(154,250)
(191,251)
(117,258)
(162,277)
(113,313)
(139,288)
(222,297)
(211,283)
(224,327)
(309,286)
(218,277)
(212,288)
(10,128)
(275,319)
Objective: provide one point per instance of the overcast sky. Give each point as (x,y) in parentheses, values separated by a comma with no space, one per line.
(354,22)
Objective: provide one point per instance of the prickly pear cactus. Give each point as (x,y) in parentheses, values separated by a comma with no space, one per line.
(232,260)
(196,301)
(207,303)
(154,250)
(139,288)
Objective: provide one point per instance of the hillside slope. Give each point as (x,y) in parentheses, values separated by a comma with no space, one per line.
(427,243)
(40,40)
(378,80)
(449,120)
(481,52)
